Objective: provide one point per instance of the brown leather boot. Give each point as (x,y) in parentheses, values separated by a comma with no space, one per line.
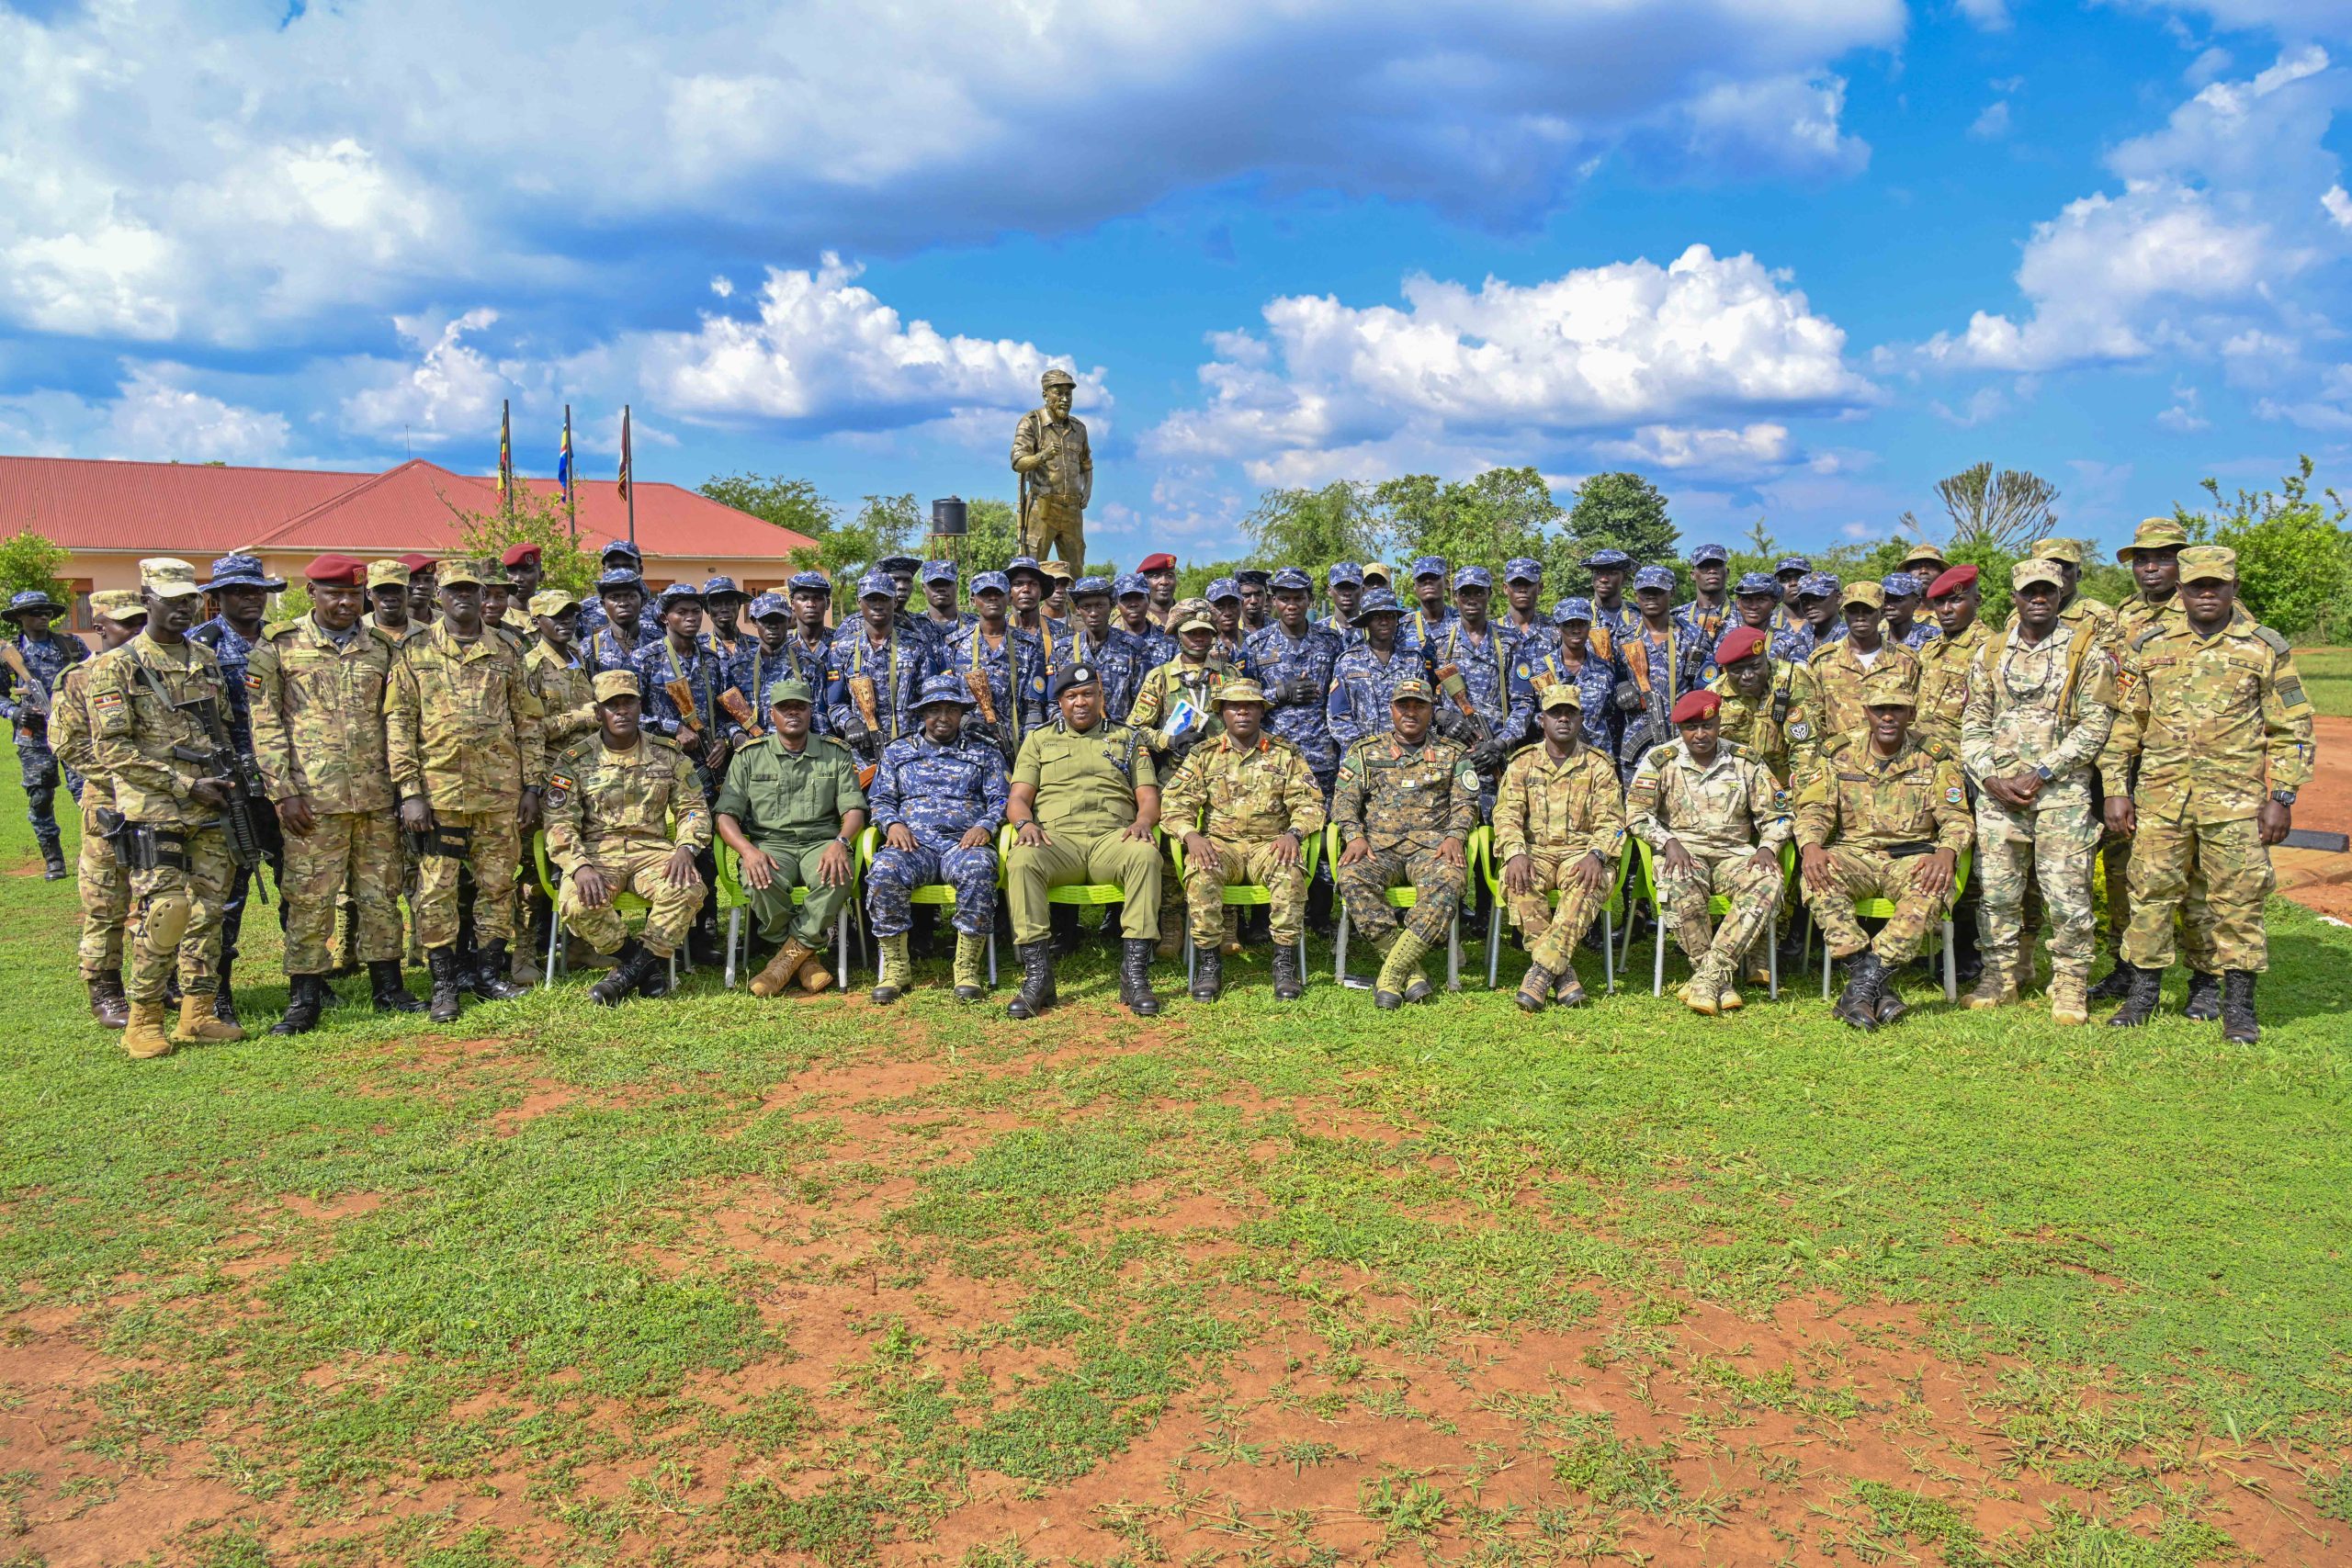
(142,1035)
(814,975)
(199,1021)
(783,969)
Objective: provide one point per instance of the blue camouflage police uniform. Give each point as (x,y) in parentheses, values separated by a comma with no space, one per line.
(1418,621)
(753,669)
(1596,680)
(1016,671)
(940,571)
(1661,672)
(657,663)
(1702,622)
(1798,642)
(1527,569)
(1297,674)
(1117,659)
(1362,682)
(1229,649)
(1155,646)
(938,793)
(800,659)
(1924,629)
(1337,622)
(898,665)
(592,618)
(601,648)
(235,654)
(1486,660)
(46,658)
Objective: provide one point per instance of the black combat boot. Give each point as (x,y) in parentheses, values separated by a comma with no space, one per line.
(1208,975)
(490,983)
(1135,976)
(447,986)
(1289,984)
(628,968)
(305,995)
(2238,1023)
(52,860)
(2144,988)
(107,1004)
(2115,985)
(1037,992)
(1858,1003)
(224,1006)
(656,982)
(2204,997)
(1891,1005)
(1062,920)
(1967,961)
(386,990)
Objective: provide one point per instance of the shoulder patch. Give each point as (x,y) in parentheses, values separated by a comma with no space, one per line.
(2277,644)
(1662,754)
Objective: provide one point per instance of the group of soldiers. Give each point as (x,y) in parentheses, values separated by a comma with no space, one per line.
(409,734)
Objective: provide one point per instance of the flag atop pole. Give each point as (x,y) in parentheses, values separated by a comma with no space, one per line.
(627,494)
(564,475)
(506,455)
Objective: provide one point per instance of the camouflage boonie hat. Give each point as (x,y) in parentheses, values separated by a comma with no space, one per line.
(552,602)
(118,603)
(1241,691)
(386,574)
(167,577)
(1890,685)
(2203,563)
(611,683)
(2153,534)
(1194,613)
(1923,551)
(2027,572)
(790,689)
(1412,689)
(1868,593)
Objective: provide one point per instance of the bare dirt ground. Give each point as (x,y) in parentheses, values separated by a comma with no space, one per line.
(2314,878)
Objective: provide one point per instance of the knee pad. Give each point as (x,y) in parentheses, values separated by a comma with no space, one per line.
(164,923)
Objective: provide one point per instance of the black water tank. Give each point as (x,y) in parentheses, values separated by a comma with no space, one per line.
(948,517)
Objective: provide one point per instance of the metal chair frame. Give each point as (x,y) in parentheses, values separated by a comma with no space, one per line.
(939,894)
(734,897)
(1884,909)
(629,906)
(1246,895)
(1404,897)
(1717,905)
(1611,909)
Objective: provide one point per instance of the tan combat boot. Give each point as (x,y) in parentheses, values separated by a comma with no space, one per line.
(814,975)
(1995,988)
(782,969)
(198,1022)
(2069,998)
(1702,992)
(897,969)
(143,1038)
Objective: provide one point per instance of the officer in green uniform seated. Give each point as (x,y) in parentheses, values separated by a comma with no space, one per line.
(1085,799)
(791,809)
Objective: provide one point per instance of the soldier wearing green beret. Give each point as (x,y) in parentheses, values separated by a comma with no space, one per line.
(791,809)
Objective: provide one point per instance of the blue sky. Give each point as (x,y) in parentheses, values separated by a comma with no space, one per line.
(1794,259)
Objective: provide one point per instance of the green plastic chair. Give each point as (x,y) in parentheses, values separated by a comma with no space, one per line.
(939,894)
(1611,910)
(734,897)
(1717,905)
(1884,909)
(1082,894)
(629,906)
(1404,897)
(1249,894)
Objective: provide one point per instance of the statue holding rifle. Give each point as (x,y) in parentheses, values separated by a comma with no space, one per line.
(1057,471)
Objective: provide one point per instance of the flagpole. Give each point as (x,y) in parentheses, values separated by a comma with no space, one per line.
(628,479)
(571,478)
(507,454)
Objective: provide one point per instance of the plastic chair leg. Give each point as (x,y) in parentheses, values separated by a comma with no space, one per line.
(1453,951)
(1494,942)
(734,933)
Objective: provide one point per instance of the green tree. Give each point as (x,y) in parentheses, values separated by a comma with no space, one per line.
(538,518)
(1624,512)
(1316,528)
(1500,513)
(2008,512)
(2294,553)
(992,536)
(31,560)
(789,503)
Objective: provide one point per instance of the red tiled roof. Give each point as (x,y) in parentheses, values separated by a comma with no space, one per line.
(194,509)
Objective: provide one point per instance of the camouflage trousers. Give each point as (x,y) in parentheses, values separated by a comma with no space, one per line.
(2214,875)
(1856,873)
(643,870)
(2052,847)
(2115,854)
(1553,930)
(891,880)
(38,771)
(353,853)
(1752,891)
(106,899)
(175,919)
(492,851)
(1365,886)
(1133,864)
(1237,862)
(1058,523)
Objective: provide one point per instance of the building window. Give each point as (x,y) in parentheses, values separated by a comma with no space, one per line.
(79,616)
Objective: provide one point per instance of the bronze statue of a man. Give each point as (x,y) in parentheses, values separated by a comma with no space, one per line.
(1057,473)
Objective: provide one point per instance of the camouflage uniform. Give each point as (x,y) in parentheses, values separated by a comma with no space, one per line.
(755,670)
(48,659)
(1862,808)
(462,733)
(2211,724)
(1297,674)
(2047,706)
(1835,713)
(1660,668)
(1556,813)
(318,726)
(1721,814)
(135,723)
(1943,685)
(613,810)
(1156,703)
(705,676)
(1702,625)
(1541,666)
(1801,640)
(1404,801)
(1773,729)
(1362,683)
(896,665)
(1243,801)
(1014,666)
(938,793)
(105,885)
(565,688)
(1486,662)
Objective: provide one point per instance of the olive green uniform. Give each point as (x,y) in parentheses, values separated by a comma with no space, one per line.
(1086,783)
(790,804)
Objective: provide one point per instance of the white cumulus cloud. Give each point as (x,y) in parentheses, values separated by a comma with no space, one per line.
(154,416)
(452,390)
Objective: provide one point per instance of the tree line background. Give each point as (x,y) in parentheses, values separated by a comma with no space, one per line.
(2294,550)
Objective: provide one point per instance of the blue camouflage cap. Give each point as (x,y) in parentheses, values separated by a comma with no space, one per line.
(991,582)
(621,548)
(1344,571)
(1428,565)
(1290,580)
(878,581)
(619,577)
(720,585)
(1475,577)
(1818,586)
(242,571)
(1130,582)
(1522,568)
(768,605)
(1792,563)
(1710,555)
(1608,561)
(1757,582)
(937,571)
(1900,584)
(944,689)
(1089,587)
(1223,588)
(1020,564)
(1379,602)
(1256,575)
(30,599)
(810,579)
(678,592)
(895,564)
(1656,577)
(1571,609)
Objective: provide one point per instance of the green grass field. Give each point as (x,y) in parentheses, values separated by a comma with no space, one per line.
(2327,676)
(717,1281)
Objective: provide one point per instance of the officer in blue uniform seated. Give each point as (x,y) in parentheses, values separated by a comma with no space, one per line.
(938,797)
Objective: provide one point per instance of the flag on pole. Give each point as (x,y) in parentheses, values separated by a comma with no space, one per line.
(507,454)
(563,458)
(624,482)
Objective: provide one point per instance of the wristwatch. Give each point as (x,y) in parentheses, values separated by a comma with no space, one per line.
(2284,797)
(2044,774)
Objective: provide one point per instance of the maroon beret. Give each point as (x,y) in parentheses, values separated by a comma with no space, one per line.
(1950,580)
(337,571)
(517,554)
(1696,705)
(1738,644)
(1162,561)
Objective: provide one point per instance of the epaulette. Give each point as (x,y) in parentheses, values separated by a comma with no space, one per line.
(746,745)
(1815,656)
(1661,755)
(581,750)
(272,630)
(1836,744)
(834,739)
(2155,629)
(2277,644)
